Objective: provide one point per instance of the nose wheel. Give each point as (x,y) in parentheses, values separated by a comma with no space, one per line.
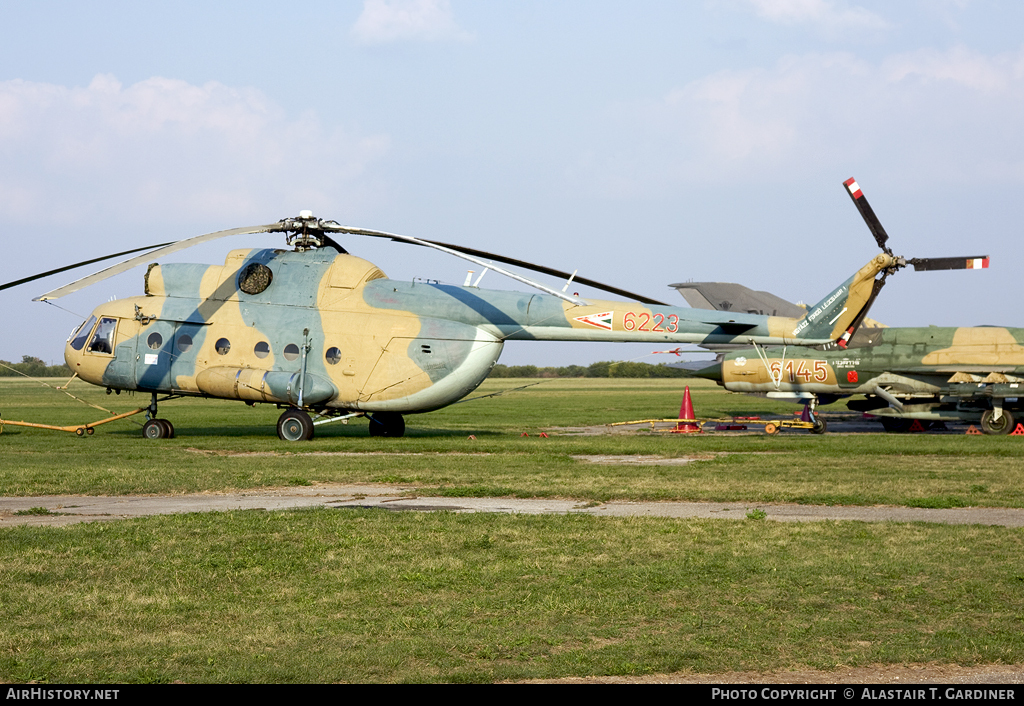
(811,415)
(155,428)
(158,429)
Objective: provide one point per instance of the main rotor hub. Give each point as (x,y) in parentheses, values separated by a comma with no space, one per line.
(306,231)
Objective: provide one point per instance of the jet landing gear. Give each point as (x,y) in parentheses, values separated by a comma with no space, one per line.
(389,424)
(810,415)
(990,425)
(155,428)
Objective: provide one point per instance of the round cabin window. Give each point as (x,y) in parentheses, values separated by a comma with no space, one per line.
(262,349)
(333,356)
(255,278)
(223,346)
(155,340)
(291,351)
(184,342)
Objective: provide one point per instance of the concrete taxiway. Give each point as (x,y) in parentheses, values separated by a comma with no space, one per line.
(59,510)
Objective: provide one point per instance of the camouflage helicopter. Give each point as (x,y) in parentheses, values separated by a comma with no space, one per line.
(326,335)
(930,373)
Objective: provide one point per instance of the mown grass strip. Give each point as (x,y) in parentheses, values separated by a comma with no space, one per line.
(226,445)
(364,596)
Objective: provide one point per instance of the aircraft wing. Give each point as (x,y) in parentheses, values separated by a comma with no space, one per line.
(727,296)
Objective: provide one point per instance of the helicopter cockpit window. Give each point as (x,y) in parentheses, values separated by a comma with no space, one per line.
(81,335)
(223,346)
(103,339)
(255,278)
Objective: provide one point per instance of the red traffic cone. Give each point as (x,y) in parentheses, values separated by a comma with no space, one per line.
(686,412)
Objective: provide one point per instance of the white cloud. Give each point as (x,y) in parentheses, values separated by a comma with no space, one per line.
(828,16)
(384,21)
(164,148)
(952,115)
(988,74)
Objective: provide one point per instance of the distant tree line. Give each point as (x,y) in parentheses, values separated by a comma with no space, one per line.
(37,368)
(33,367)
(603,369)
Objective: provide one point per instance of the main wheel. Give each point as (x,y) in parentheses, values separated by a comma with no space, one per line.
(820,427)
(154,429)
(1003,425)
(388,424)
(295,425)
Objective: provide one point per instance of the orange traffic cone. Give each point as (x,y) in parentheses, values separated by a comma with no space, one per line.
(1019,431)
(686,412)
(972,430)
(916,426)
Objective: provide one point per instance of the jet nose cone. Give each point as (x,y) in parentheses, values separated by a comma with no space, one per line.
(712,372)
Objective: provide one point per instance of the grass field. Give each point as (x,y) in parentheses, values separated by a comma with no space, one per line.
(224,445)
(358,595)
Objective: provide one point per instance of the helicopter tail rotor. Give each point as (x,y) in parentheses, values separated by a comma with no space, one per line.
(948,263)
(874,225)
(921,264)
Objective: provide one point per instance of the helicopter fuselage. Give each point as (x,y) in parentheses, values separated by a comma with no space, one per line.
(319,329)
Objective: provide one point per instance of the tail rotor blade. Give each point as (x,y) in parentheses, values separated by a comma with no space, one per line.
(874,225)
(922,264)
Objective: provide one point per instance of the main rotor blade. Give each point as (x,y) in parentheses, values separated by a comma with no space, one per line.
(551,271)
(923,264)
(508,261)
(874,225)
(41,275)
(149,257)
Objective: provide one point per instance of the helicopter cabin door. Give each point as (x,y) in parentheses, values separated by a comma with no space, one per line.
(166,349)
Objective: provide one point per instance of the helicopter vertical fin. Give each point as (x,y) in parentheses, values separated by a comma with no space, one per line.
(846,305)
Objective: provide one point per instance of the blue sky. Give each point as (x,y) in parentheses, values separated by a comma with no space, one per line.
(644,142)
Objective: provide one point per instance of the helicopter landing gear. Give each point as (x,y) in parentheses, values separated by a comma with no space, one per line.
(158,429)
(389,424)
(155,428)
(295,425)
(1003,425)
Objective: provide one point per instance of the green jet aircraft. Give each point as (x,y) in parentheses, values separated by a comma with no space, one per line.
(931,373)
